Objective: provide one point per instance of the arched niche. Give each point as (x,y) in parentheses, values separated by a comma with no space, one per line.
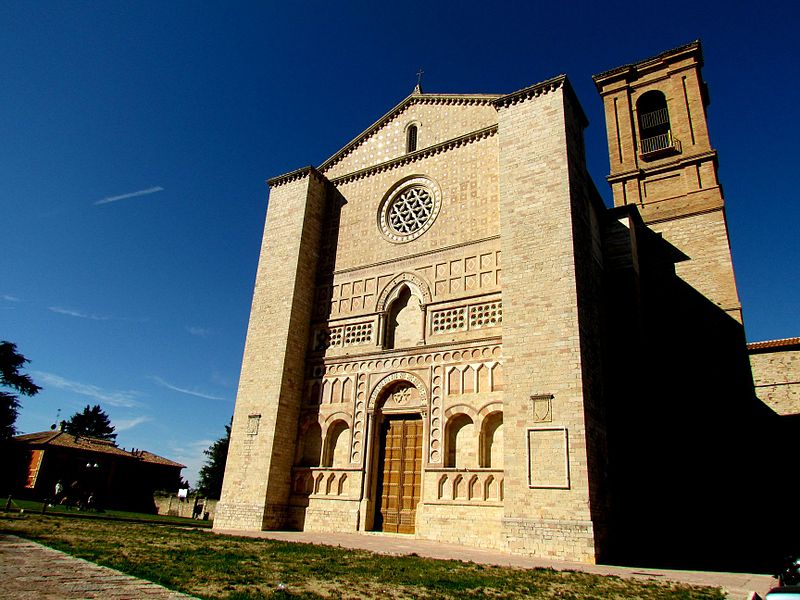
(311,443)
(337,445)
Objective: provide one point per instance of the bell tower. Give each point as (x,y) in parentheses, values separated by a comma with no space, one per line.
(662,161)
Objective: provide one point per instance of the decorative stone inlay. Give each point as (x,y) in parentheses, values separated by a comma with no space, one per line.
(485,315)
(359,420)
(409,209)
(451,319)
(436,417)
(355,334)
(358,333)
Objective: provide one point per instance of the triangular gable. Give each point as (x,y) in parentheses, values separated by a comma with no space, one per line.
(343,161)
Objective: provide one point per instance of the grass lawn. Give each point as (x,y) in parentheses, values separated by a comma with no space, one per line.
(212,566)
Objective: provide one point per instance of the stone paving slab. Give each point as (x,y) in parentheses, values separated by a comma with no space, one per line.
(737,586)
(31,571)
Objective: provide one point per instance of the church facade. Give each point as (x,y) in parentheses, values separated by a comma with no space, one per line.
(453,337)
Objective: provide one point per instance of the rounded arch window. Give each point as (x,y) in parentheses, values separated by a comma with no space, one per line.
(409,209)
(654,128)
(412,131)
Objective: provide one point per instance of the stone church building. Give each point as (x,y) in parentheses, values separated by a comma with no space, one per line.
(453,337)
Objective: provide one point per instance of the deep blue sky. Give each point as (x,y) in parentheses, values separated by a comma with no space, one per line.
(140,303)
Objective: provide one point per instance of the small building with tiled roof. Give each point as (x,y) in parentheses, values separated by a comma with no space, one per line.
(92,467)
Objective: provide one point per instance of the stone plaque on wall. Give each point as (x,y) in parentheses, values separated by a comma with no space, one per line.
(252,424)
(542,408)
(548,458)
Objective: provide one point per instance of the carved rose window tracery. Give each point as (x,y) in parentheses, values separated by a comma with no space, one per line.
(409,209)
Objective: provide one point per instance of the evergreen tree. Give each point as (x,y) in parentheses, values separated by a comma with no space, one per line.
(10,363)
(92,422)
(212,472)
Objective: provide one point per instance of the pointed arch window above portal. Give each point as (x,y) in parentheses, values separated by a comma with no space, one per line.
(404,321)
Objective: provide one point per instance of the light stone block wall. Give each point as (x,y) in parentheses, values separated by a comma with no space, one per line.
(462,524)
(541,334)
(258,472)
(326,515)
(776,375)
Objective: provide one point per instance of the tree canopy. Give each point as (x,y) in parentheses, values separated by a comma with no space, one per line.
(11,362)
(211,474)
(91,422)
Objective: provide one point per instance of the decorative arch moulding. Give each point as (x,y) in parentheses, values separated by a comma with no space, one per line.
(416,283)
(486,350)
(386,382)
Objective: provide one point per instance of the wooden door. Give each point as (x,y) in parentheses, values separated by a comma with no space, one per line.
(400,474)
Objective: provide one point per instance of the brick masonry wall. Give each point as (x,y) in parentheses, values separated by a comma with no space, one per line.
(703,239)
(777,379)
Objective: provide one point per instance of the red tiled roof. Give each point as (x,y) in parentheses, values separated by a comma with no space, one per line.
(155,458)
(770,344)
(91,444)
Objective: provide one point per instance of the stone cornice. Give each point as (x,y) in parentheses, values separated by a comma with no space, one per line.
(301,173)
(469,138)
(532,91)
(681,161)
(603,78)
(414,98)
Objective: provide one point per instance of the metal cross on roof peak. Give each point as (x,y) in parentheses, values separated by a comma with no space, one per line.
(418,87)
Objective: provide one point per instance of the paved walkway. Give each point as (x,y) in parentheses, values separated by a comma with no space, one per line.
(31,571)
(737,586)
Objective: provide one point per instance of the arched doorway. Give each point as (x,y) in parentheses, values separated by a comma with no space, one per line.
(398,462)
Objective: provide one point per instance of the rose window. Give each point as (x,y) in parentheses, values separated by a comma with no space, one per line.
(409,209)
(409,212)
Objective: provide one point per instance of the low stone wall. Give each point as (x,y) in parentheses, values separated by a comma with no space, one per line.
(172,506)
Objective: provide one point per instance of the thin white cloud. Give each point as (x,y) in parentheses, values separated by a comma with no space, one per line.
(76,313)
(112,397)
(125,424)
(199,331)
(9,298)
(136,194)
(175,388)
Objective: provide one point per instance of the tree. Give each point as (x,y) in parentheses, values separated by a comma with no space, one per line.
(11,362)
(92,422)
(212,472)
